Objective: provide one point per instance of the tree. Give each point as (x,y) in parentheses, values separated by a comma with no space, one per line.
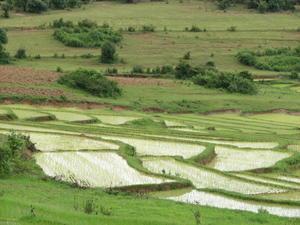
(36,6)
(6,7)
(3,36)
(108,53)
(4,56)
(21,4)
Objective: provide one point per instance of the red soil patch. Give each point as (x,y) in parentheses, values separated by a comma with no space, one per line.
(31,91)
(142,81)
(9,74)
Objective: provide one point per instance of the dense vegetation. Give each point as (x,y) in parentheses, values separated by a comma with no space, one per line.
(84,34)
(12,153)
(277,59)
(261,5)
(4,56)
(210,77)
(39,6)
(91,81)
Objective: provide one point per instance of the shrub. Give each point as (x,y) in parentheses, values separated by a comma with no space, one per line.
(3,36)
(246,58)
(184,70)
(11,152)
(234,83)
(231,28)
(108,53)
(294,76)
(21,53)
(36,6)
(137,69)
(4,56)
(92,82)
(148,28)
(187,56)
(85,34)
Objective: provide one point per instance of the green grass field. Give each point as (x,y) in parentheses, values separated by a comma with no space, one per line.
(165,149)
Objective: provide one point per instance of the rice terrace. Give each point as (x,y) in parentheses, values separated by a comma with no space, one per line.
(150,112)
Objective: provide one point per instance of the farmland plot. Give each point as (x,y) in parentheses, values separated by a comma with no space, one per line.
(115,120)
(205,178)
(52,142)
(160,148)
(95,169)
(70,116)
(7,127)
(231,159)
(219,201)
(27,114)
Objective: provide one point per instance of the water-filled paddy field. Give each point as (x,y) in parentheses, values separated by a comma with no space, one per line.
(226,160)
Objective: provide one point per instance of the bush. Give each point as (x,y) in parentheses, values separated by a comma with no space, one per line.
(11,151)
(148,28)
(3,36)
(21,53)
(184,70)
(108,53)
(36,6)
(85,34)
(92,82)
(231,28)
(137,69)
(234,83)
(246,58)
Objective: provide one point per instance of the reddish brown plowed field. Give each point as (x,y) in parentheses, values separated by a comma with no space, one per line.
(10,74)
(31,91)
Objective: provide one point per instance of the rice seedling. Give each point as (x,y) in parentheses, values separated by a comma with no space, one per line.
(220,201)
(160,148)
(55,142)
(28,114)
(232,159)
(267,180)
(115,120)
(70,116)
(97,169)
(205,178)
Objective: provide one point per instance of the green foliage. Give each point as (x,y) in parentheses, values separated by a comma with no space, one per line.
(11,152)
(92,82)
(85,34)
(108,53)
(21,53)
(280,59)
(184,70)
(36,6)
(4,55)
(246,58)
(234,83)
(148,28)
(260,5)
(3,36)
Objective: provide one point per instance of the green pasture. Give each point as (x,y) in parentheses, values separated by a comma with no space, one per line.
(174,16)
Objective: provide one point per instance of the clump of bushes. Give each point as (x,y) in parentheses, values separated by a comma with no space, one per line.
(260,5)
(92,82)
(4,55)
(108,53)
(195,28)
(21,53)
(158,70)
(39,6)
(276,59)
(84,34)
(148,28)
(210,77)
(12,153)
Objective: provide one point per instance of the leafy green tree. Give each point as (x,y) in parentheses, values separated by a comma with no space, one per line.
(3,36)
(108,53)
(36,6)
